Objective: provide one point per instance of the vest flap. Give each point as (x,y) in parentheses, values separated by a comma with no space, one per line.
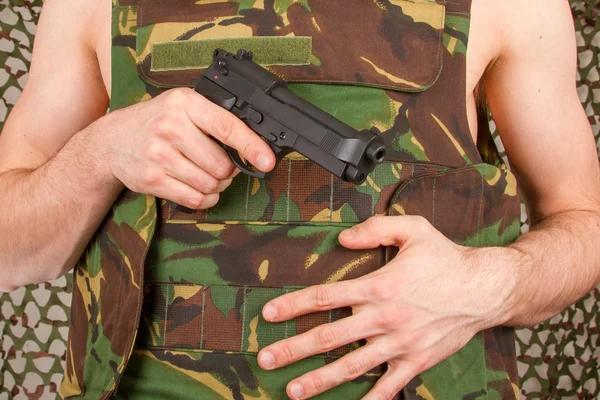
(391,44)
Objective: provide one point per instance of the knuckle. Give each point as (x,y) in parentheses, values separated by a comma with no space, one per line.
(152,178)
(326,338)
(224,127)
(210,185)
(387,319)
(223,170)
(353,369)
(224,184)
(422,223)
(383,290)
(245,152)
(323,298)
(388,393)
(155,151)
(176,98)
(375,291)
(375,223)
(195,201)
(163,122)
(288,353)
(169,126)
(317,383)
(290,306)
(211,200)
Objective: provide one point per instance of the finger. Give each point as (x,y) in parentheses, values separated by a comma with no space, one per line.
(206,153)
(235,173)
(315,298)
(182,169)
(345,369)
(385,231)
(183,194)
(392,382)
(318,340)
(230,130)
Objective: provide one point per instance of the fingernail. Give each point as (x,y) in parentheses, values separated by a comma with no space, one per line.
(262,161)
(270,312)
(296,391)
(267,360)
(348,233)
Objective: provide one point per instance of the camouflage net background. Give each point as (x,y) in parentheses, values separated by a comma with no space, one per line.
(558,359)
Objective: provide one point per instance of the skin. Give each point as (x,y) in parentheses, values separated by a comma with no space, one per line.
(66,166)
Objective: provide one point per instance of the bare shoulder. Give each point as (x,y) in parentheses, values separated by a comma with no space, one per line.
(508,29)
(530,85)
(101,43)
(512,38)
(98,36)
(67,85)
(484,44)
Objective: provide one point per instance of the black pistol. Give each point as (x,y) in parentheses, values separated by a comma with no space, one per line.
(286,121)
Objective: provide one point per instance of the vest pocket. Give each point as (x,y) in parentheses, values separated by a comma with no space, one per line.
(392,44)
(220,318)
(301,192)
(477,205)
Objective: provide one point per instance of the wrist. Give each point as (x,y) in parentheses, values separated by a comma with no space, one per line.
(501,269)
(101,157)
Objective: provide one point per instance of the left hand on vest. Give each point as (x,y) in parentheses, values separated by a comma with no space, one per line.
(414,312)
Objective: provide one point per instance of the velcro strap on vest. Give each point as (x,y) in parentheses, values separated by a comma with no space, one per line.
(197,54)
(220,318)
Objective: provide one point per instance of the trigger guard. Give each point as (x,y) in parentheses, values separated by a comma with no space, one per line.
(237,161)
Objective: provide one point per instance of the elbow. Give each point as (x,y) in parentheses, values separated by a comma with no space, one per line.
(12,279)
(8,280)
(6,287)
(7,283)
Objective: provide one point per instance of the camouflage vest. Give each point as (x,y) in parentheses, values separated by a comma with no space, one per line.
(167,305)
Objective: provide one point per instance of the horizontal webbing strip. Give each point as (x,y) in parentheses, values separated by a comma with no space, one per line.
(220,318)
(197,54)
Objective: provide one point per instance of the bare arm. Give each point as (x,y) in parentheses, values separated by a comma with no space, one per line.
(50,204)
(532,94)
(63,163)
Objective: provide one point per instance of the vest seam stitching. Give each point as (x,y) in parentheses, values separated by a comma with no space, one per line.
(166,319)
(202,319)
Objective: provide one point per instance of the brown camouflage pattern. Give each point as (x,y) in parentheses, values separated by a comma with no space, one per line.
(266,237)
(281,234)
(558,359)
(562,325)
(391,41)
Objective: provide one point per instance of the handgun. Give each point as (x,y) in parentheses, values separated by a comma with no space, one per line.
(286,121)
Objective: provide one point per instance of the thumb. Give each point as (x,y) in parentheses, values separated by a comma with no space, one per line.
(385,231)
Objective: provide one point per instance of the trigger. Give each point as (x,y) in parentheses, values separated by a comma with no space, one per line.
(237,161)
(278,151)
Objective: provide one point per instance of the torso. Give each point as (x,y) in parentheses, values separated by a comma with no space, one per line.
(482,50)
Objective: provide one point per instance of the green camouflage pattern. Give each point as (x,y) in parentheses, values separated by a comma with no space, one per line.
(558,359)
(207,275)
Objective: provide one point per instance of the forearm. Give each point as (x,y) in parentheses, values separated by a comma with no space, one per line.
(50,213)
(555,264)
